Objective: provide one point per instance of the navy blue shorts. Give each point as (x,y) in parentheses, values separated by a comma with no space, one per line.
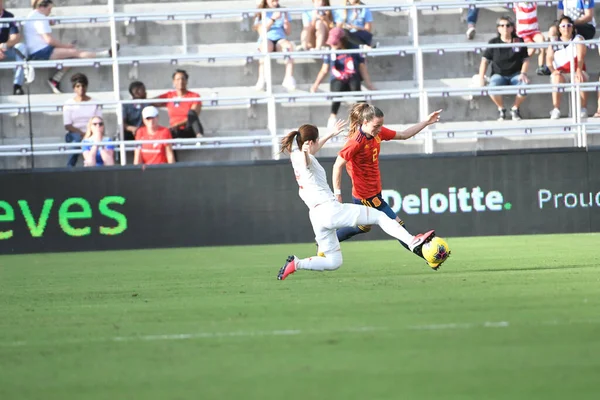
(43,54)
(379,203)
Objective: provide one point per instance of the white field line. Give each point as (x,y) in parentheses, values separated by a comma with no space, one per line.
(288,332)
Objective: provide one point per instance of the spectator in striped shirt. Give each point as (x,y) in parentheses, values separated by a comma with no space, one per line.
(528,29)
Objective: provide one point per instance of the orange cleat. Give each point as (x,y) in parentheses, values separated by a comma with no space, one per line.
(417,244)
(288,269)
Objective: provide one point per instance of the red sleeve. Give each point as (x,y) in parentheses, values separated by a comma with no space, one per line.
(195,102)
(386,134)
(165,96)
(350,149)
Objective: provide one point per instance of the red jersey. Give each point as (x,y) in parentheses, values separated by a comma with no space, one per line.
(153,153)
(362,155)
(178,111)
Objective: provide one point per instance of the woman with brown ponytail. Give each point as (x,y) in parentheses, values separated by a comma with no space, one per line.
(326,214)
(360,155)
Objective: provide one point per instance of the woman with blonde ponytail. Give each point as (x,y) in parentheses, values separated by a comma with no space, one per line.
(360,155)
(326,214)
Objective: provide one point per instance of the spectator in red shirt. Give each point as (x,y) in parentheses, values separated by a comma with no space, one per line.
(184,118)
(153,153)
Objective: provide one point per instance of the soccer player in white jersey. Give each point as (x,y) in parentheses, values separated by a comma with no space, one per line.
(325,212)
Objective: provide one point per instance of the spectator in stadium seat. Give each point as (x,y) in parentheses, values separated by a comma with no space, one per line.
(509,66)
(357,22)
(184,118)
(132,113)
(528,29)
(10,48)
(582,14)
(346,71)
(41,45)
(77,114)
(153,153)
(94,154)
(316,25)
(559,59)
(278,29)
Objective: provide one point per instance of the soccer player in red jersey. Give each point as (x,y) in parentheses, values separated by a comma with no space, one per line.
(360,155)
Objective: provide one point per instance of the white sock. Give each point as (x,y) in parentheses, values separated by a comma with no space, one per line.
(330,262)
(103,53)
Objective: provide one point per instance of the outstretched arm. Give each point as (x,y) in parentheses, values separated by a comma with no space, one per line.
(337,177)
(413,130)
(338,127)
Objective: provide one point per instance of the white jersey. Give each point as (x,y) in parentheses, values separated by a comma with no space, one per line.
(312,180)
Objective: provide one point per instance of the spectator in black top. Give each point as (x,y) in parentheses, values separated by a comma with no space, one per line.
(132,113)
(347,71)
(10,48)
(509,66)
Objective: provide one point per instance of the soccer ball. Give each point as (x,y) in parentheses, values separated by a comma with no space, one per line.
(436,251)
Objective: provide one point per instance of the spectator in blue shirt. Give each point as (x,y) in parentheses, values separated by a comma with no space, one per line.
(357,23)
(10,48)
(316,25)
(132,113)
(94,154)
(582,14)
(347,71)
(278,28)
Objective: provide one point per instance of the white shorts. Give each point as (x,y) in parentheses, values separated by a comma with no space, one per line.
(328,217)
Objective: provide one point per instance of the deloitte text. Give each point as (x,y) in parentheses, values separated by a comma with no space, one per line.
(455,200)
(547,199)
(71,210)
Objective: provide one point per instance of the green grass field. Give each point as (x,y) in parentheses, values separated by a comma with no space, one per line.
(504,318)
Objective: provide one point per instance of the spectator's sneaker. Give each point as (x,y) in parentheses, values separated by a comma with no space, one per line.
(300,47)
(331,122)
(54,86)
(583,113)
(501,114)
(555,113)
(471,33)
(288,269)
(289,83)
(515,114)
(417,244)
(543,70)
(261,85)
(18,90)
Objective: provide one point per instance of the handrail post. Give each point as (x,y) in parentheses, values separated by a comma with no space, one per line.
(116,80)
(419,75)
(575,96)
(184,41)
(267,76)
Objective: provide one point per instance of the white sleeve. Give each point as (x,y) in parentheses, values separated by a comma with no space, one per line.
(67,116)
(42,26)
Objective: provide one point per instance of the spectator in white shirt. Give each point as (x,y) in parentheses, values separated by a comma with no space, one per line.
(77,114)
(42,46)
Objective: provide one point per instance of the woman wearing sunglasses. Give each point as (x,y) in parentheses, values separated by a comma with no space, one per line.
(559,60)
(95,154)
(509,66)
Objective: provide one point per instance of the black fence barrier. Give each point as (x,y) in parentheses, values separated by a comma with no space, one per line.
(128,208)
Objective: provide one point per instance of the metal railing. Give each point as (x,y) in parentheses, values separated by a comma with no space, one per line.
(417,50)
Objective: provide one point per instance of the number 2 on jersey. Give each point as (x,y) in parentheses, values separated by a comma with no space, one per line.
(374,155)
